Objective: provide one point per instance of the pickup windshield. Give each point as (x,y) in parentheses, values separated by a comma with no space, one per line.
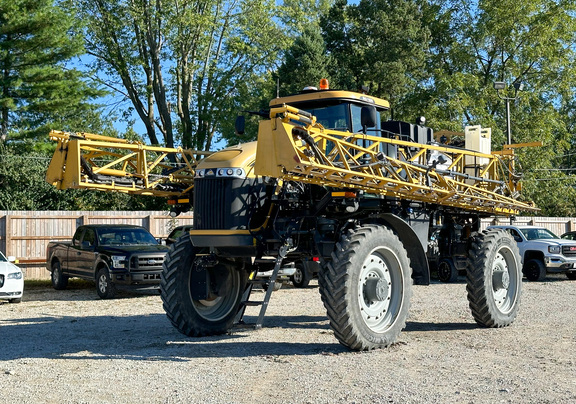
(538,234)
(125,237)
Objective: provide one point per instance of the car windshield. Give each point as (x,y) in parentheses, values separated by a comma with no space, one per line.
(538,234)
(125,237)
(3,258)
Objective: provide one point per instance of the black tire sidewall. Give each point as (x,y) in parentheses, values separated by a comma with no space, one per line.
(305,275)
(175,293)
(480,290)
(344,311)
(534,270)
(110,291)
(451,275)
(58,279)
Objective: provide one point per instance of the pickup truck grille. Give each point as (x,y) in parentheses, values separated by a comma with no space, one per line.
(569,250)
(146,263)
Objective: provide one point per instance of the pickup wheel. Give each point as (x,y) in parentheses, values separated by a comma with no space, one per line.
(200,294)
(104,286)
(494,279)
(366,288)
(301,277)
(59,280)
(447,271)
(534,270)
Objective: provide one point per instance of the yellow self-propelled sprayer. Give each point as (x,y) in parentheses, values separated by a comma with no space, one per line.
(328,187)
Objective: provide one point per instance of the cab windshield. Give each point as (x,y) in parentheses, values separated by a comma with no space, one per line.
(342,117)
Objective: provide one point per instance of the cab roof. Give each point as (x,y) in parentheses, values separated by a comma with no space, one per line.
(330,97)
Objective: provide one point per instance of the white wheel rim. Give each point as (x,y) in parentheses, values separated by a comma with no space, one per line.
(103,283)
(383,266)
(504,295)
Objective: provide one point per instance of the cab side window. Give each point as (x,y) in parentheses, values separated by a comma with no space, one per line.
(77,237)
(89,238)
(515,235)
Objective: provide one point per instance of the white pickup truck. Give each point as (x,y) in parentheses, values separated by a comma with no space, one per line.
(542,251)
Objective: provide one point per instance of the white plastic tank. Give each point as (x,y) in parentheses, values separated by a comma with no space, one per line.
(478,139)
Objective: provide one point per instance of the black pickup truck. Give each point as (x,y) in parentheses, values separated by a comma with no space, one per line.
(111,255)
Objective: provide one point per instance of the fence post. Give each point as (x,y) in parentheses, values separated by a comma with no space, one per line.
(8,238)
(148,223)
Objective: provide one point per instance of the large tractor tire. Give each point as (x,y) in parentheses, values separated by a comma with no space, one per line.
(494,278)
(212,315)
(366,288)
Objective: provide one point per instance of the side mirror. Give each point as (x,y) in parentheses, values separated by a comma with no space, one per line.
(86,244)
(518,239)
(368,117)
(240,125)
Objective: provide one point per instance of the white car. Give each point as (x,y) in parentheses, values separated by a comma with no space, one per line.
(11,280)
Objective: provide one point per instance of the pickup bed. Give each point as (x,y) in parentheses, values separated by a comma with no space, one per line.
(110,255)
(542,251)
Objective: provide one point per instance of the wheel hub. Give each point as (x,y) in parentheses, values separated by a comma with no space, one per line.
(376,289)
(500,280)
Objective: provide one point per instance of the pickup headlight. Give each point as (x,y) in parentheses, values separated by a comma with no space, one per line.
(554,249)
(119,261)
(15,275)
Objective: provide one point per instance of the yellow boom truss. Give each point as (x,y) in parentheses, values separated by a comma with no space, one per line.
(292,146)
(85,160)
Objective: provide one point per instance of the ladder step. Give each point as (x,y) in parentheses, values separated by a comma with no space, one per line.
(252,303)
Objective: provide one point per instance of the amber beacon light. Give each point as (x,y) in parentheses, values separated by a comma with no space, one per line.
(324,84)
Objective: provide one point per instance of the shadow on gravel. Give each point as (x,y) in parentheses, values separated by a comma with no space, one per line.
(143,337)
(418,326)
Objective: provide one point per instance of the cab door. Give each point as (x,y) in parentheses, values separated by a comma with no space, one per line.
(81,254)
(86,254)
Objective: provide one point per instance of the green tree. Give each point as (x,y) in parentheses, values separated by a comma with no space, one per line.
(183,63)
(35,83)
(380,44)
(305,63)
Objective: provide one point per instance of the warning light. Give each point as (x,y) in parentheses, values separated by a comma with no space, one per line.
(324,84)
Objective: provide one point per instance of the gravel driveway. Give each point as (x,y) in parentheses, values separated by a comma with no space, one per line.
(71,347)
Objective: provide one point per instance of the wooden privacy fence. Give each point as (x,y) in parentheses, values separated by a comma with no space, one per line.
(25,234)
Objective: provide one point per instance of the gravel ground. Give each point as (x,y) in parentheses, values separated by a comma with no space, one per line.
(70,347)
